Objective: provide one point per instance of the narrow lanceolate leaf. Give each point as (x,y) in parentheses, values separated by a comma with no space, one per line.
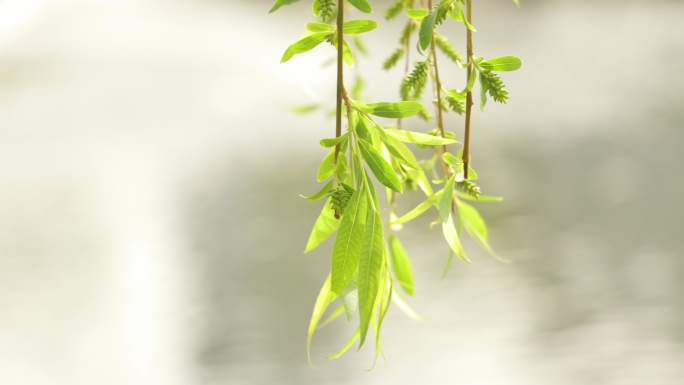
(382,170)
(474,224)
(427,29)
(306,44)
(332,142)
(405,307)
(419,138)
(401,152)
(280,3)
(418,210)
(323,228)
(327,167)
(371,260)
(335,314)
(417,13)
(502,64)
(397,110)
(304,109)
(359,26)
(446,201)
(320,27)
(362,5)
(452,238)
(322,193)
(401,265)
(325,297)
(345,257)
(383,300)
(346,346)
(480,199)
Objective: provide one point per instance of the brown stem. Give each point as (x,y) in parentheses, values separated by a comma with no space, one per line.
(469,96)
(438,93)
(340,73)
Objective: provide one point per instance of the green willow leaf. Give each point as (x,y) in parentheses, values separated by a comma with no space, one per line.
(381,169)
(447,199)
(320,27)
(502,64)
(481,198)
(384,299)
(304,45)
(335,314)
(346,346)
(322,193)
(347,54)
(452,238)
(417,13)
(332,142)
(396,110)
(371,260)
(280,3)
(361,5)
(418,210)
(325,297)
(401,265)
(419,138)
(326,224)
(474,224)
(327,167)
(345,256)
(427,29)
(304,109)
(359,26)
(405,308)
(401,152)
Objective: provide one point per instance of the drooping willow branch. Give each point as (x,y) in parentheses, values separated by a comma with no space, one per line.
(340,77)
(368,263)
(469,94)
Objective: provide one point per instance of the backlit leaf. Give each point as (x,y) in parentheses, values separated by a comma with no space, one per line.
(361,5)
(501,64)
(306,44)
(322,193)
(394,110)
(323,228)
(474,224)
(280,3)
(371,261)
(452,238)
(345,256)
(447,199)
(346,346)
(327,167)
(401,265)
(359,26)
(382,170)
(325,297)
(419,138)
(427,28)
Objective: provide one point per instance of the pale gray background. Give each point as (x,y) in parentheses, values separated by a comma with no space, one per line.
(151,232)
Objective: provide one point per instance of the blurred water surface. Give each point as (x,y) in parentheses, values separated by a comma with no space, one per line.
(151,232)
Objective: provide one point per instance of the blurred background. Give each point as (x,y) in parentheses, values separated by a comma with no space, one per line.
(151,230)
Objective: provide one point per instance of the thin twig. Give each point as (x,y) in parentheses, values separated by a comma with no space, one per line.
(340,74)
(469,96)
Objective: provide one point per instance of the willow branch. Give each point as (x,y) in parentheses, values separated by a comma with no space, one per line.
(340,74)
(438,104)
(469,96)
